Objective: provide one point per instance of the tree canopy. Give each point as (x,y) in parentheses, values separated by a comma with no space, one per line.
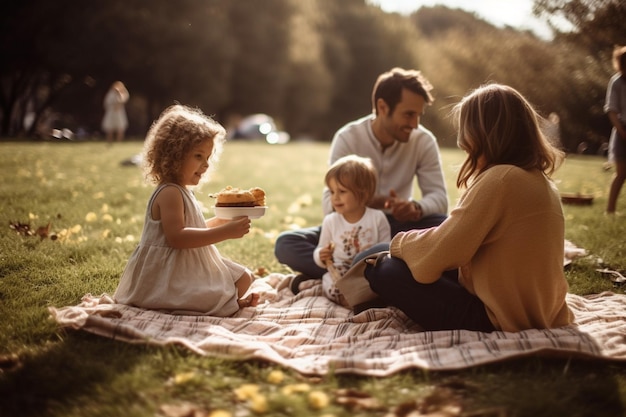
(310,65)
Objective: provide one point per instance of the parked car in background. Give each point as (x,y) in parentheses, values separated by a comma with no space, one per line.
(259,126)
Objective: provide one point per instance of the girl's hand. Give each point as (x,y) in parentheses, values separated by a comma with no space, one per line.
(236,228)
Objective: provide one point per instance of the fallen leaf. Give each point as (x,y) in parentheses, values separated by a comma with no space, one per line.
(246,391)
(182,410)
(43,231)
(258,404)
(318,400)
(356,400)
(184,377)
(295,388)
(21,228)
(275,377)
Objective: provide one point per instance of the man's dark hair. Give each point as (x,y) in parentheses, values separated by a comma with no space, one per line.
(390,84)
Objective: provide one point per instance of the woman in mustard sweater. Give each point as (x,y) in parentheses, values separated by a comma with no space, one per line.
(496,263)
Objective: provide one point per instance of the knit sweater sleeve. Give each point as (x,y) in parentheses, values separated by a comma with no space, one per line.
(453,244)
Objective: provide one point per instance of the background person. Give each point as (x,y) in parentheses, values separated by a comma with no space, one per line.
(615,107)
(401,150)
(496,263)
(115,121)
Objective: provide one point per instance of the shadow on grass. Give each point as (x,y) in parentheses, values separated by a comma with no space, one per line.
(522,387)
(85,371)
(66,374)
(558,387)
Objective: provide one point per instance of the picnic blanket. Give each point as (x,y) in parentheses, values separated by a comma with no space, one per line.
(312,335)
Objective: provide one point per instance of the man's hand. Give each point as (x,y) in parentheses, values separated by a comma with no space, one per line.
(403,210)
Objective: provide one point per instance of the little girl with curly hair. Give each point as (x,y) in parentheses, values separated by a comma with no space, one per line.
(176,266)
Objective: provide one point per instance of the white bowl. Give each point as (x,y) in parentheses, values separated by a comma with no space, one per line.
(232,212)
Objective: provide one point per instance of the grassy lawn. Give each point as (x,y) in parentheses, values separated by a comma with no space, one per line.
(95,208)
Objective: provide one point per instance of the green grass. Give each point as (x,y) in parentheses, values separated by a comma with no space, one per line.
(96,206)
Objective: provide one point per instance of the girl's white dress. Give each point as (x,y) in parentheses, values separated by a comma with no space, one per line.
(181,281)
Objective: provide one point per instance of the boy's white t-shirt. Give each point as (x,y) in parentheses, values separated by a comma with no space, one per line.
(349,240)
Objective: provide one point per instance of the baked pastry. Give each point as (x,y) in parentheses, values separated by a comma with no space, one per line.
(259,196)
(234,197)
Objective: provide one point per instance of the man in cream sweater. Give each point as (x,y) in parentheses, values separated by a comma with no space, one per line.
(402,151)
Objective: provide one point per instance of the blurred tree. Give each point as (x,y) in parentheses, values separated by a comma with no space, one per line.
(164,51)
(309,89)
(371,42)
(309,64)
(258,76)
(34,69)
(598,23)
(555,76)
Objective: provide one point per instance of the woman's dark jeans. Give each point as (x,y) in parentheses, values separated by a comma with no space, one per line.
(442,305)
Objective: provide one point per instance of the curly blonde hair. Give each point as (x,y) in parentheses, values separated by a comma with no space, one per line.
(496,123)
(172,136)
(356,174)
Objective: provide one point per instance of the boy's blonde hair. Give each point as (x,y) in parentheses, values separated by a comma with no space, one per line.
(356,174)
(497,124)
(172,136)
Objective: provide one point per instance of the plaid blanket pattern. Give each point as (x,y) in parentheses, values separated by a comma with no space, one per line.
(312,335)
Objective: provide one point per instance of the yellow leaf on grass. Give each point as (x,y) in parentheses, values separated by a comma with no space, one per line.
(258,404)
(275,377)
(318,400)
(246,391)
(220,413)
(184,377)
(295,388)
(91,217)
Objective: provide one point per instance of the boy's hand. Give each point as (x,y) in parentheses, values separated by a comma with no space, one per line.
(326,253)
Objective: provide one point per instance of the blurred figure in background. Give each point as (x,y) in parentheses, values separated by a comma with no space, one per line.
(615,107)
(115,122)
